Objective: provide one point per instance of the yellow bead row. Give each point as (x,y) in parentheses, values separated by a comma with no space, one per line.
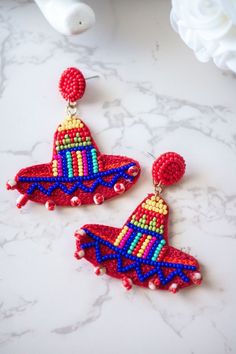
(70,123)
(144,246)
(154,198)
(157,210)
(155,205)
(121,235)
(80,163)
(54,168)
(155,202)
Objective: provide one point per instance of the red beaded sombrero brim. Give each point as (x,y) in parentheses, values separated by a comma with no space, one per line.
(37,184)
(148,262)
(98,246)
(78,173)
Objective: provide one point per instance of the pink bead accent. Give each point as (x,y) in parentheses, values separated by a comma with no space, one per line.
(85,163)
(125,238)
(149,246)
(59,166)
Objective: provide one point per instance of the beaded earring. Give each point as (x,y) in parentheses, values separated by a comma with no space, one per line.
(139,253)
(78,173)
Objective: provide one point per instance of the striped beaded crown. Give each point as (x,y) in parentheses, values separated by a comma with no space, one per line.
(142,235)
(75,153)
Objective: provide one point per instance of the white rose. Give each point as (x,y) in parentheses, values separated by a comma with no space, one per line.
(209,28)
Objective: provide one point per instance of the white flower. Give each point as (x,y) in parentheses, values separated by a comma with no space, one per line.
(209,28)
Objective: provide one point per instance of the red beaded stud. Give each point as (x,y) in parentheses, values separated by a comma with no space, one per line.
(72,84)
(168,169)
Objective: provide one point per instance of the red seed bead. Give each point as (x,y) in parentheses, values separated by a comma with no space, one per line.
(50,205)
(133,171)
(22,200)
(168,169)
(72,84)
(75,201)
(127,283)
(119,188)
(98,199)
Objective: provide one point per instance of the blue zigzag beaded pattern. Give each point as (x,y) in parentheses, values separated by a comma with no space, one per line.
(58,181)
(119,253)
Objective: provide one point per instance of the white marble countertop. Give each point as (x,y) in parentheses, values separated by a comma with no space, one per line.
(152,96)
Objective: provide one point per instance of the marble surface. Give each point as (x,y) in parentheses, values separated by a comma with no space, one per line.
(152,96)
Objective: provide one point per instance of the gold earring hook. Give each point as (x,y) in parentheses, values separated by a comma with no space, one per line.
(158,187)
(71,109)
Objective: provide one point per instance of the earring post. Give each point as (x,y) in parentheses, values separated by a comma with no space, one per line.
(92,77)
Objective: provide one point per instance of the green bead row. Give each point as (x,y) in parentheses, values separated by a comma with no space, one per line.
(158,250)
(76,139)
(146,227)
(68,146)
(69,164)
(94,159)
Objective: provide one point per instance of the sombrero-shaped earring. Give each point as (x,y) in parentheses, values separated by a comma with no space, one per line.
(139,253)
(78,173)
